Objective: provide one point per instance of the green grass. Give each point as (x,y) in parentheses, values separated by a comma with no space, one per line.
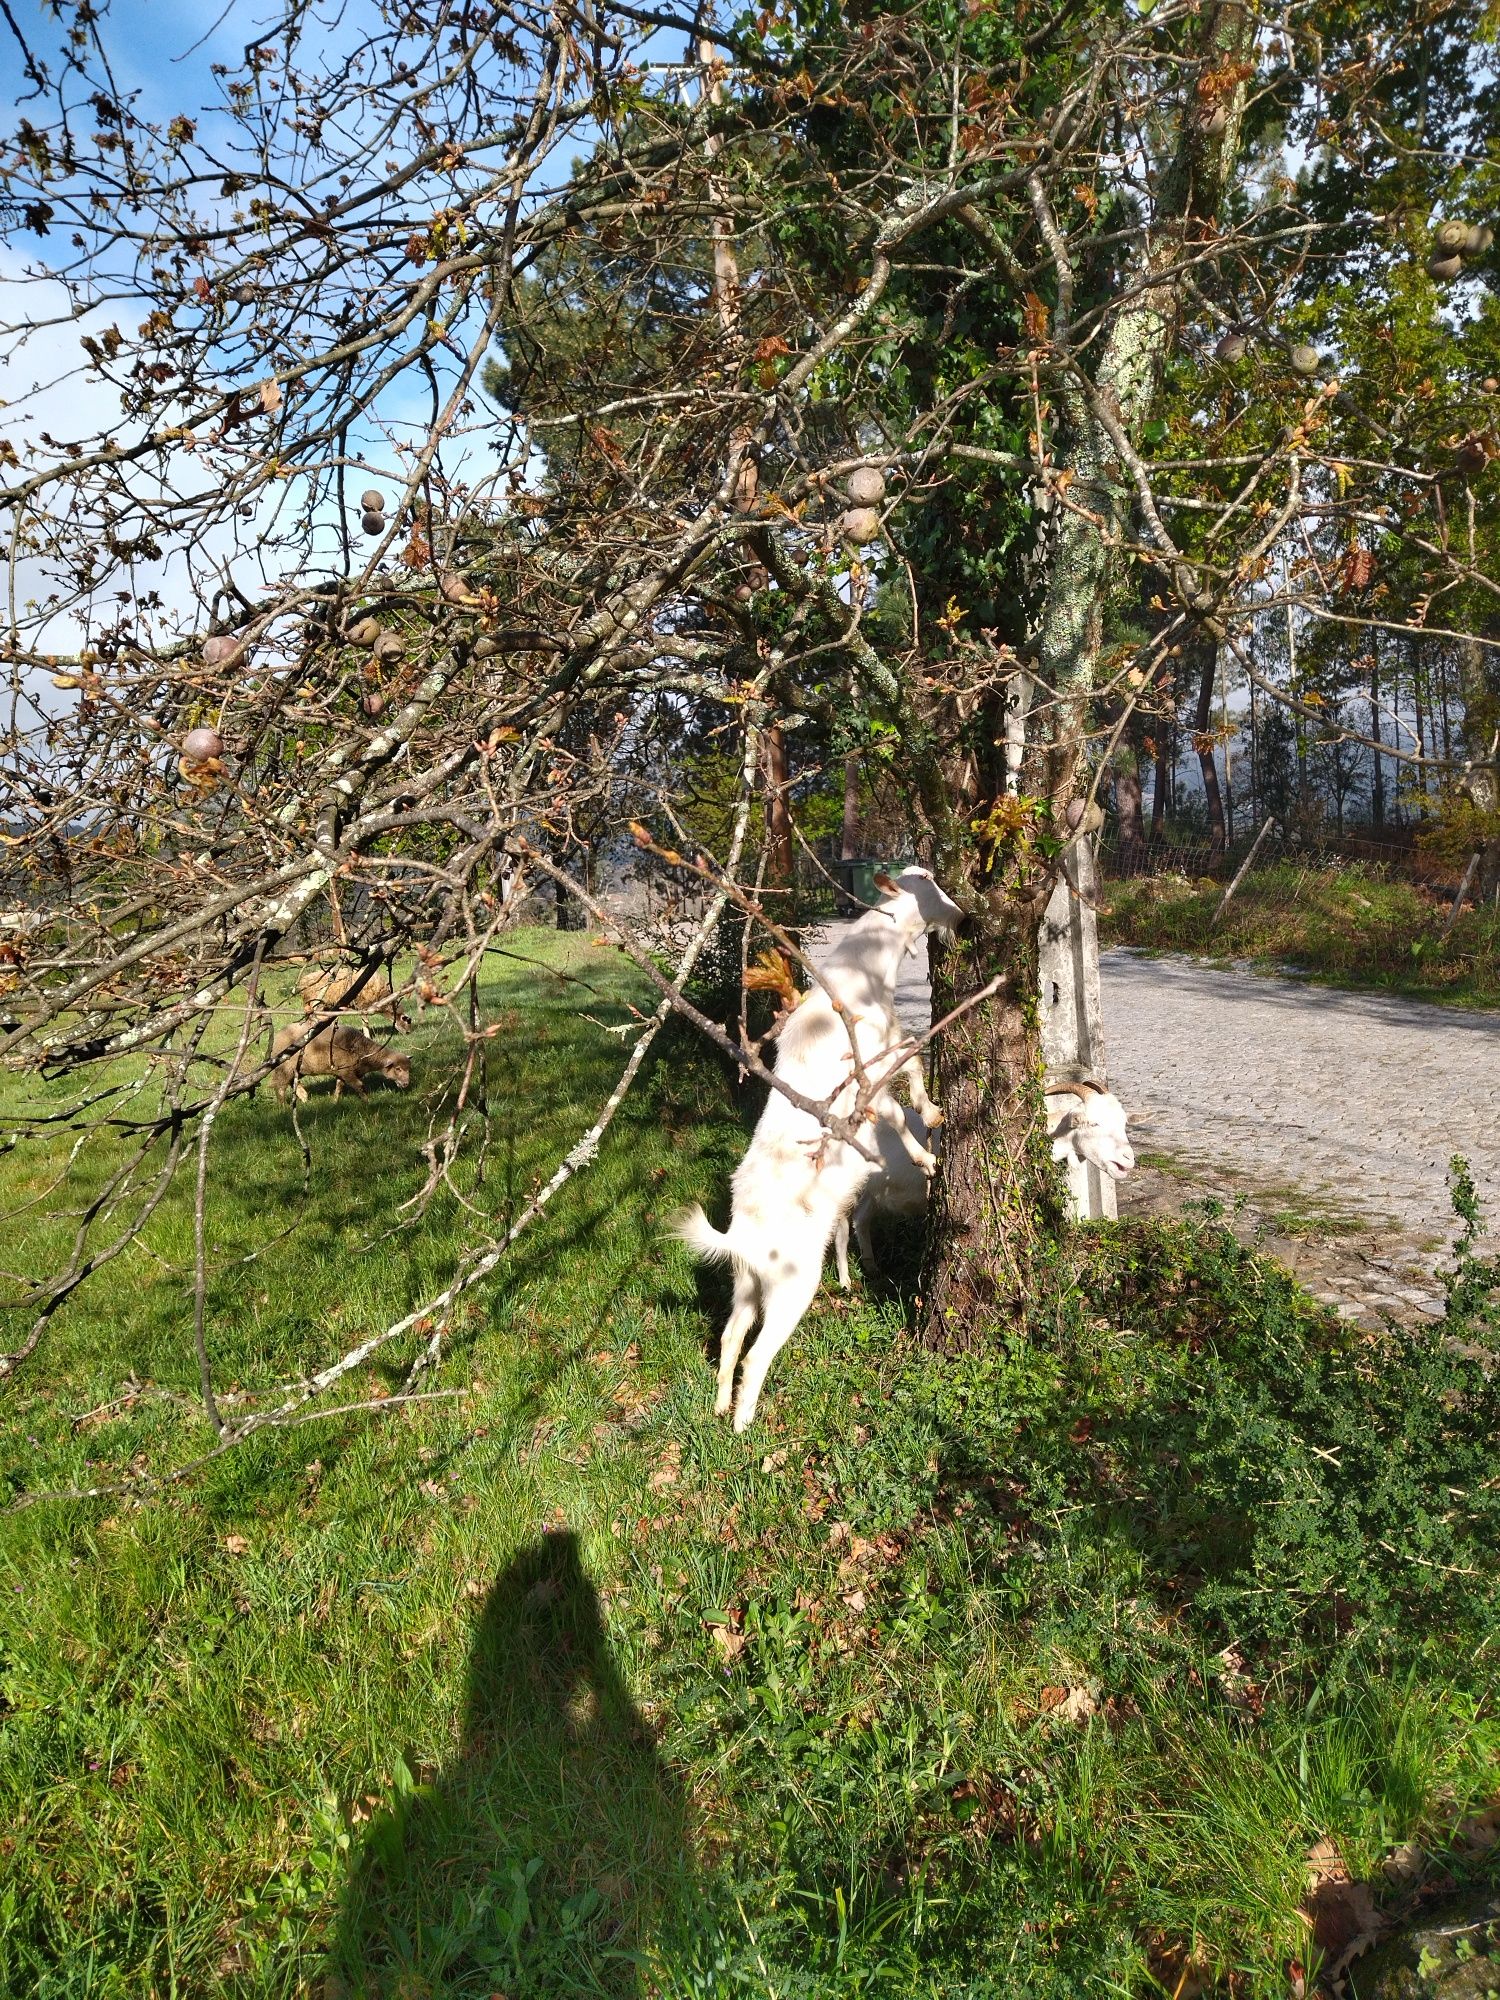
(1348,926)
(1014,1673)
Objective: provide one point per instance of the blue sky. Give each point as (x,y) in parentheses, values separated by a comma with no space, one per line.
(161,55)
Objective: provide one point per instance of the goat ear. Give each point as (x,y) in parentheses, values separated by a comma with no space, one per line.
(883,881)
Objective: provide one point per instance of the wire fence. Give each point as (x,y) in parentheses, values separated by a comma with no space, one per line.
(1361,906)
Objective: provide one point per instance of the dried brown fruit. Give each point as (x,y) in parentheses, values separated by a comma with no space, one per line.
(373,524)
(1471,456)
(865,486)
(1305,360)
(389,646)
(1231,347)
(372,501)
(860,524)
(200,745)
(363,632)
(1445,269)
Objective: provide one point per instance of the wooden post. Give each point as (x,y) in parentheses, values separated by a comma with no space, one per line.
(1463,889)
(1072,1009)
(1241,872)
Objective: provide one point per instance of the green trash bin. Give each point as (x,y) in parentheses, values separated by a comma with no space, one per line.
(857,889)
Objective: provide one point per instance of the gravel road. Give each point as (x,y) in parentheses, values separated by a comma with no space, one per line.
(1314,1103)
(1329,1117)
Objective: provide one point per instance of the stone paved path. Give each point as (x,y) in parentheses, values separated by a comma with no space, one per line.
(1314,1104)
(1325,1119)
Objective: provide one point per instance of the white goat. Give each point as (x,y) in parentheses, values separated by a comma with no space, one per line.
(901,1187)
(796,1182)
(1090,1128)
(1083,1122)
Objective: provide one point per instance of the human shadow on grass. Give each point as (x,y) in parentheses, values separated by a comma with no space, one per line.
(553,1852)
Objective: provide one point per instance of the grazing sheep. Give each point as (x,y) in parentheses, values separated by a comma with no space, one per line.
(796,1182)
(342,1053)
(351,989)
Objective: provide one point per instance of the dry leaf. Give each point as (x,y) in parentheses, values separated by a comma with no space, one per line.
(730,1643)
(270,397)
(668,1467)
(236,1545)
(1341,1911)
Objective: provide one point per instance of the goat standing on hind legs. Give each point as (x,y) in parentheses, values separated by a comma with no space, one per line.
(797,1183)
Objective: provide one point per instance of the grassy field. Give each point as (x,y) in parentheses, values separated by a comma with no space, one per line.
(1349,926)
(1035,1671)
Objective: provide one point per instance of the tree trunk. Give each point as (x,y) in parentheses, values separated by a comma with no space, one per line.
(1132,827)
(998,1199)
(1163,781)
(778,811)
(1480,683)
(1377,784)
(1203,743)
(849,846)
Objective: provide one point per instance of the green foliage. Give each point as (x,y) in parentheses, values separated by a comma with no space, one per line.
(1455,826)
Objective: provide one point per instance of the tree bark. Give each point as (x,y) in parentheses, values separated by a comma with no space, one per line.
(1203,743)
(1479,676)
(998,1200)
(1128,818)
(778,811)
(849,845)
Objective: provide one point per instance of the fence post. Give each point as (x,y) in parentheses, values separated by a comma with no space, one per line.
(1458,900)
(1241,872)
(1072,1010)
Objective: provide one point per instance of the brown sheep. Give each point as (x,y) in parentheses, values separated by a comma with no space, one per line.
(351,989)
(342,1053)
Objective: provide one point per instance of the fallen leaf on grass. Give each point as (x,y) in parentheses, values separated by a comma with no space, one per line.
(1340,1912)
(1404,1866)
(1068,1704)
(1180,1972)
(730,1644)
(668,1467)
(236,1545)
(1480,1831)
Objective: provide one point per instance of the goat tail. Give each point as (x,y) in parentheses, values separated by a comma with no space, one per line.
(692,1227)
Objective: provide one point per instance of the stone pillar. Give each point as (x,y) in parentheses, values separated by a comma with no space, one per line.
(1072,1013)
